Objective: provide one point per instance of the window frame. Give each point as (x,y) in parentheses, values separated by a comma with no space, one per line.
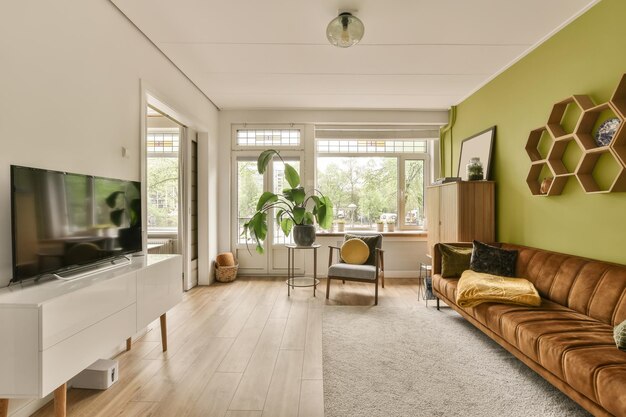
(246,126)
(401,158)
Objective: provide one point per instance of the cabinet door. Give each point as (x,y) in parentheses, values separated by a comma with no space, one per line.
(159,288)
(449,213)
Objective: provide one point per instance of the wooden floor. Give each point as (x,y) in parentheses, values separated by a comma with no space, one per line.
(242,349)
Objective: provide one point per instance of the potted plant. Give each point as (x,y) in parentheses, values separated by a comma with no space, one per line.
(296,209)
(341,225)
(380,226)
(126,211)
(391,225)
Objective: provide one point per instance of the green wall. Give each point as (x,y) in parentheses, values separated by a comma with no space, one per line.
(586,57)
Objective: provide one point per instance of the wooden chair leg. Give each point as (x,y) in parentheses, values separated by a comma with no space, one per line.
(376,293)
(437,303)
(164,332)
(327,287)
(344,281)
(60,401)
(4,407)
(383,280)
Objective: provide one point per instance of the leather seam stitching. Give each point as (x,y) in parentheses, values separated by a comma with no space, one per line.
(569,292)
(593,294)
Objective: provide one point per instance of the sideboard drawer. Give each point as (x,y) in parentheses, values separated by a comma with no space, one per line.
(67,315)
(66,359)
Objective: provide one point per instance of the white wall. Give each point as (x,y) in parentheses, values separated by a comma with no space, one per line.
(67,66)
(400,249)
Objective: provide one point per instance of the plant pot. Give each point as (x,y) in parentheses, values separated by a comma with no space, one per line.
(391,227)
(341,227)
(380,227)
(304,234)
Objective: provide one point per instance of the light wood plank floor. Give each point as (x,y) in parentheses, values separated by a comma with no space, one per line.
(242,349)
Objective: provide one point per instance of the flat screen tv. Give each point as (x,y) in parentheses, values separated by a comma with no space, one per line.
(63,221)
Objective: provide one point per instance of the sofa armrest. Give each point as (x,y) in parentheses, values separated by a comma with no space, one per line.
(437,254)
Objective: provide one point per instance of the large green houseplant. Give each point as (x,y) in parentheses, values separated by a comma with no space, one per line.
(296,209)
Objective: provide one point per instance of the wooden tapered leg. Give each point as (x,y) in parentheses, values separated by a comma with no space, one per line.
(60,401)
(4,407)
(164,332)
(327,287)
(129,343)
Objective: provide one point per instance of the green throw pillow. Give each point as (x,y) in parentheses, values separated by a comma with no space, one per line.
(454,260)
(619,333)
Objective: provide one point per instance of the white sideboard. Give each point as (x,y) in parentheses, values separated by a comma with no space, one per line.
(53,330)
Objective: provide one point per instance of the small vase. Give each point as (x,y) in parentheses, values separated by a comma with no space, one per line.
(391,227)
(341,227)
(380,227)
(475,170)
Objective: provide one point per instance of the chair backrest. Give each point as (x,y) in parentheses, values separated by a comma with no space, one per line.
(373,241)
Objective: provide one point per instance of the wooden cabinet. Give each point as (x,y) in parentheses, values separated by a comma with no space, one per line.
(461,212)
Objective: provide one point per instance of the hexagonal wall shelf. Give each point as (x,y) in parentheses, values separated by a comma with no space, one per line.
(565,115)
(601,172)
(539,171)
(590,122)
(539,144)
(565,155)
(572,126)
(619,97)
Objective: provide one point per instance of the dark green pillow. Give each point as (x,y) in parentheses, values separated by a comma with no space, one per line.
(492,260)
(454,260)
(619,334)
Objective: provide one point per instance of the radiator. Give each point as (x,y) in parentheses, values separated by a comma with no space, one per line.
(162,246)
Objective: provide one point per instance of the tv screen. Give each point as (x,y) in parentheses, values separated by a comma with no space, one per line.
(61,221)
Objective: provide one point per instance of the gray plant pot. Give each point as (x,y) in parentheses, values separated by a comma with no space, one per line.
(304,235)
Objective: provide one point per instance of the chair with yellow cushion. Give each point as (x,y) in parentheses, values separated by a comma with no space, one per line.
(360,259)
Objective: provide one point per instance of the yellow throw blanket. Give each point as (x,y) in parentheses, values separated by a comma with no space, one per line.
(476,288)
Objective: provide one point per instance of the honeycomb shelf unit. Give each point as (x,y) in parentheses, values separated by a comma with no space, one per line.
(565,146)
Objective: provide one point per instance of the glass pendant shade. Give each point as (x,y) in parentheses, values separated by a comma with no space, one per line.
(345,30)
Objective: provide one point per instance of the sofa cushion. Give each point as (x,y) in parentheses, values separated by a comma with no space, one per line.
(446,286)
(492,260)
(591,370)
(454,260)
(352,271)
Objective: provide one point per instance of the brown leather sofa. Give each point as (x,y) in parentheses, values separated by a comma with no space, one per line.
(568,340)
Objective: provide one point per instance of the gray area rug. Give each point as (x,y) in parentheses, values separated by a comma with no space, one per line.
(383,361)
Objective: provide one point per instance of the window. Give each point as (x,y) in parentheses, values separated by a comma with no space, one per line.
(268,137)
(163,179)
(370,180)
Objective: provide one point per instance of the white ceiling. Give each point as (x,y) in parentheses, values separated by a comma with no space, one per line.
(416,54)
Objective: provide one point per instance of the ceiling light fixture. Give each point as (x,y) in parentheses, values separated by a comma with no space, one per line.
(345,30)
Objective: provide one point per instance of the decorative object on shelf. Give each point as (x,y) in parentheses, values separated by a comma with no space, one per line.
(345,30)
(391,226)
(341,225)
(226,267)
(380,226)
(477,146)
(606,131)
(601,164)
(291,208)
(474,170)
(545,185)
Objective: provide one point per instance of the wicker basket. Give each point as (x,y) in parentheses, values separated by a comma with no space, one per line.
(226,273)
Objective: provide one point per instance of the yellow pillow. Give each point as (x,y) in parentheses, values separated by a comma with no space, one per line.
(355,251)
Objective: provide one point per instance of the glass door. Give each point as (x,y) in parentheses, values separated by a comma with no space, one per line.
(250,185)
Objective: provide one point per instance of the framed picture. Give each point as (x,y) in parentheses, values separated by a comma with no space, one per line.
(477,146)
